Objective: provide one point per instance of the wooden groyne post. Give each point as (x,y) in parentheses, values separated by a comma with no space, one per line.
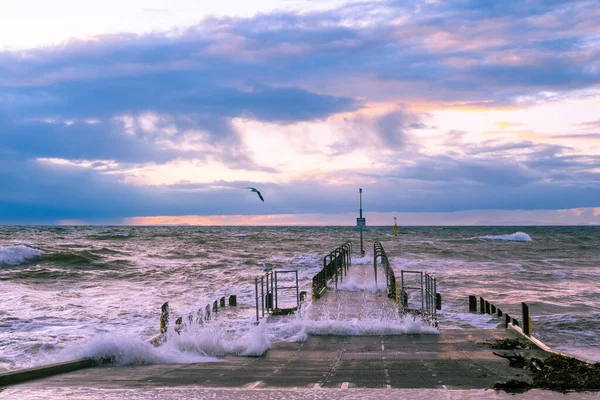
(526,319)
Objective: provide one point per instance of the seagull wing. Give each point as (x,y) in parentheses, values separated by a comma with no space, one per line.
(257,192)
(259,195)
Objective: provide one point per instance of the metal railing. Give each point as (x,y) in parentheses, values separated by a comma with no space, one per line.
(268,291)
(390,277)
(335,266)
(427,301)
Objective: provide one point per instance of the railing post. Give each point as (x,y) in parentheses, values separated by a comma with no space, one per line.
(387,272)
(297,291)
(275,278)
(268,304)
(375,261)
(256,292)
(262,295)
(422,298)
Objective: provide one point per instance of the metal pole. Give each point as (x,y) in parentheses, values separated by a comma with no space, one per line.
(362,252)
(297,293)
(402,290)
(427,292)
(422,298)
(435,293)
(268,304)
(272,289)
(375,263)
(256,292)
(262,295)
(387,272)
(276,308)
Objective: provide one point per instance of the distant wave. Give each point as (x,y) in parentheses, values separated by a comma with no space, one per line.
(110,236)
(515,237)
(17,254)
(75,258)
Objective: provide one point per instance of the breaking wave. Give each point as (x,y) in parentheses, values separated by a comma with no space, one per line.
(515,237)
(198,344)
(18,254)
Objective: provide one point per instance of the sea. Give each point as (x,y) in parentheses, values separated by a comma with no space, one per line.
(68,292)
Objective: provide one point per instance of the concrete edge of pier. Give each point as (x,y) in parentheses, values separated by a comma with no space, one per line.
(28,374)
(541,345)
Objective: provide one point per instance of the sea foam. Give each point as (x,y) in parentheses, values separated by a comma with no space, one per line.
(515,237)
(191,345)
(17,254)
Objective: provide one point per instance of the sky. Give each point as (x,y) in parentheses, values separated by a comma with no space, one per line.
(456,112)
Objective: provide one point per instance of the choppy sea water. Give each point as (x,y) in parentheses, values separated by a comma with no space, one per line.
(70,292)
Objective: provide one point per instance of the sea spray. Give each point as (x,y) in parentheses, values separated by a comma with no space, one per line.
(127,350)
(348,283)
(256,342)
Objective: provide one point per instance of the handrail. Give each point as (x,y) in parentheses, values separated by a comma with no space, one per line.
(390,277)
(267,297)
(335,265)
(430,301)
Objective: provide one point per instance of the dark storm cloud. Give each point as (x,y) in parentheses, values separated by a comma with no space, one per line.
(284,68)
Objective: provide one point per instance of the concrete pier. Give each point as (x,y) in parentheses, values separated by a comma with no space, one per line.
(452,359)
(455,359)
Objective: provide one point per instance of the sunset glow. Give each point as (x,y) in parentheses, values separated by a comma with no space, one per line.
(454,112)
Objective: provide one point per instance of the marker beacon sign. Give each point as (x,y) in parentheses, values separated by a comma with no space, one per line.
(361,222)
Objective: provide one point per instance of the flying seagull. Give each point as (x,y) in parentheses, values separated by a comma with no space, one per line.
(257,192)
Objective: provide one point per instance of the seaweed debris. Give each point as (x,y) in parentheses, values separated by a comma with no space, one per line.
(557,372)
(562,373)
(513,386)
(510,344)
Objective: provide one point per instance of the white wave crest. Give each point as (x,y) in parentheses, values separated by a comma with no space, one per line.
(299,327)
(515,237)
(17,254)
(352,285)
(192,345)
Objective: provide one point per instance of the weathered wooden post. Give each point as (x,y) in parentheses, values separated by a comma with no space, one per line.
(472,304)
(506,320)
(164,318)
(481,305)
(302,296)
(515,322)
(438,301)
(499,312)
(179,324)
(207,312)
(233,300)
(222,301)
(215,307)
(526,320)
(487,307)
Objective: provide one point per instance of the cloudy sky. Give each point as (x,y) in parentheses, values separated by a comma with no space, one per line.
(162,112)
